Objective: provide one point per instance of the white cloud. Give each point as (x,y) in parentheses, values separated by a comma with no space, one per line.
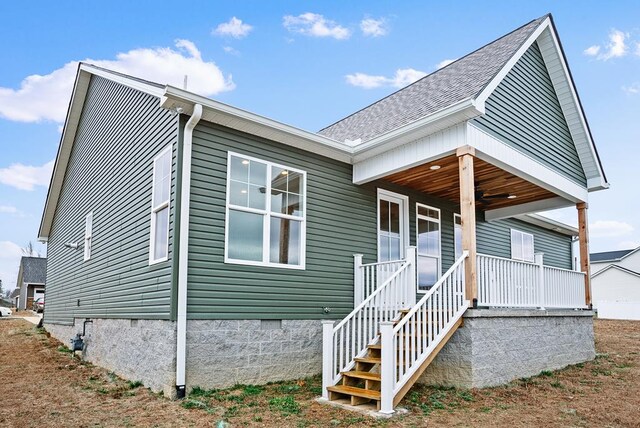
(45,97)
(616,48)
(592,50)
(26,177)
(444,63)
(374,27)
(230,50)
(638,48)
(315,25)
(10,254)
(628,245)
(609,228)
(8,209)
(633,89)
(402,77)
(365,80)
(234,28)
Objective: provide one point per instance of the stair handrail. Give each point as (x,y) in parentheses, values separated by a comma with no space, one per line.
(363,323)
(401,361)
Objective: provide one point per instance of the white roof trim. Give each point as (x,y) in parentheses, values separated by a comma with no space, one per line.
(549,223)
(620,268)
(552,53)
(235,118)
(64,151)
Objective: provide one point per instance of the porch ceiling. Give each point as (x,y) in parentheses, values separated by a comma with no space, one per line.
(444,183)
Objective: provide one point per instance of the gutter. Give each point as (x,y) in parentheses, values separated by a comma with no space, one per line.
(183,260)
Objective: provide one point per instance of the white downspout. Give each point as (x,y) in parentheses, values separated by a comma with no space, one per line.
(183,257)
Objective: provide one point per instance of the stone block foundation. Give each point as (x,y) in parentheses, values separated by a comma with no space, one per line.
(143,350)
(493,347)
(220,353)
(496,346)
(224,353)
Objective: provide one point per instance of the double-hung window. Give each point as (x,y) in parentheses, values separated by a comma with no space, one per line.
(265,218)
(521,246)
(428,240)
(88,235)
(159,248)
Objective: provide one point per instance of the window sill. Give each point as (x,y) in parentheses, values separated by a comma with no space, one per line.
(263,264)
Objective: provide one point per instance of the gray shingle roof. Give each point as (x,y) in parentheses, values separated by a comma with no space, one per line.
(609,255)
(458,81)
(34,270)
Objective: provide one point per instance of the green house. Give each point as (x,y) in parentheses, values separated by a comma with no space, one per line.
(212,246)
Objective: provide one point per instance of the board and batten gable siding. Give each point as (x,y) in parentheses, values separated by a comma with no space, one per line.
(524,112)
(341,221)
(110,173)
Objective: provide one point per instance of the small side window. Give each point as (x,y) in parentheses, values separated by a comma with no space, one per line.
(159,248)
(522,246)
(88,234)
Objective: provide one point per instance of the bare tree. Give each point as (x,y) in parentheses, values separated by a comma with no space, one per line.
(30,251)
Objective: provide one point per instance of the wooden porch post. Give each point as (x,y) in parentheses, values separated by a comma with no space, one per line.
(583,235)
(468,215)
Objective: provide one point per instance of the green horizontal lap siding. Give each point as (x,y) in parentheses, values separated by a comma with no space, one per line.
(110,172)
(525,113)
(341,221)
(494,238)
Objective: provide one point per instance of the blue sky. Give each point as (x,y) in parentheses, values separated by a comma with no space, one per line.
(303,63)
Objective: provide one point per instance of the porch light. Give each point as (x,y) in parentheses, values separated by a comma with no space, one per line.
(245,162)
(284,172)
(512,196)
(435,167)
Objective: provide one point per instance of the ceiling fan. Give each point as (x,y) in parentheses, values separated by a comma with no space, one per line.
(482,196)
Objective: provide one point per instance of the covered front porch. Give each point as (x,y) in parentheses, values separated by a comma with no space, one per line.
(486,192)
(408,308)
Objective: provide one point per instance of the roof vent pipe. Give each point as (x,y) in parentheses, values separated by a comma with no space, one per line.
(183,257)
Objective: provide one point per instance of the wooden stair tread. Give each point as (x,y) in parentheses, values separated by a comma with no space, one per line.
(371,360)
(362,375)
(355,391)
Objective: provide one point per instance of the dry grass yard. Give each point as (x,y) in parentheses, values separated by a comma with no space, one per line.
(43,385)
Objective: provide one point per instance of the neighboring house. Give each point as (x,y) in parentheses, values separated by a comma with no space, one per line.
(615,283)
(211,246)
(32,277)
(15,297)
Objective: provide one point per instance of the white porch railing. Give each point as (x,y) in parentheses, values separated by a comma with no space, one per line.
(368,277)
(407,346)
(563,288)
(349,339)
(510,283)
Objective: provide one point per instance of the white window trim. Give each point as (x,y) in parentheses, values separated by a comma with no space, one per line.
(439,221)
(266,229)
(88,236)
(455,245)
(154,209)
(533,243)
(404,224)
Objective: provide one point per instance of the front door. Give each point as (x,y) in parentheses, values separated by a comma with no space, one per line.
(392,225)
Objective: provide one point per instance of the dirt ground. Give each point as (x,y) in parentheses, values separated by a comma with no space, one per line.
(42,385)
